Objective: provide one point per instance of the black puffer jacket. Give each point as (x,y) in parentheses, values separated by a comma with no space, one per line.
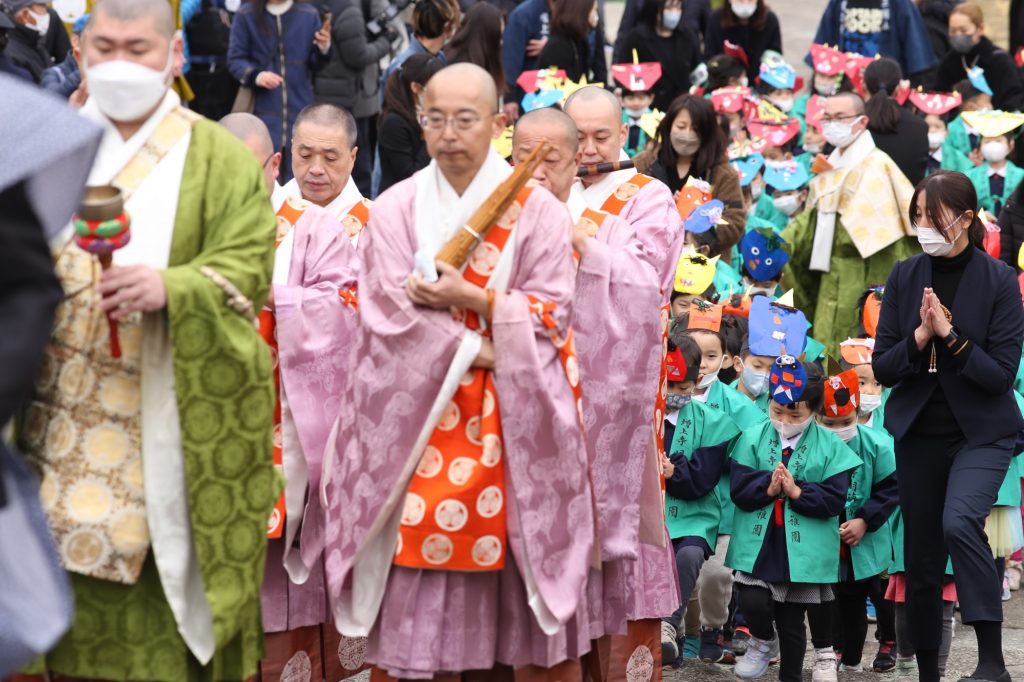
(351,78)
(1011,231)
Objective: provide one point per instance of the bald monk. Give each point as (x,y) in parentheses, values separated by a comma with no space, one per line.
(308,320)
(642,201)
(323,154)
(460,523)
(618,335)
(156,467)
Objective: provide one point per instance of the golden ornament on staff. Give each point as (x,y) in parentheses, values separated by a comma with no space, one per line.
(456,252)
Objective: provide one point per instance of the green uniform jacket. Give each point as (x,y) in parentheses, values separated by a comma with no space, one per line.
(979,178)
(873,554)
(760,402)
(727,280)
(222,374)
(742,411)
(812,544)
(765,209)
(829,299)
(1009,492)
(698,426)
(956,149)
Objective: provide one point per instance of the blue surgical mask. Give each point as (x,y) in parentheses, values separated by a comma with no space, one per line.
(756,382)
(670,18)
(677,401)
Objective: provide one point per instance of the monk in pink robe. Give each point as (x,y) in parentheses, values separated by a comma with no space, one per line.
(642,201)
(619,339)
(315,264)
(415,352)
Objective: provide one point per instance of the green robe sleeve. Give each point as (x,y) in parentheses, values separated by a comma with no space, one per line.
(797,274)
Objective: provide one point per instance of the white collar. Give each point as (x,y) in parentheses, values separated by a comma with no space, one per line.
(596,194)
(672,417)
(992,171)
(339,206)
(855,153)
(576,205)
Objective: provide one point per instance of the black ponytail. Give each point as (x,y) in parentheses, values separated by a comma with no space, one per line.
(881,78)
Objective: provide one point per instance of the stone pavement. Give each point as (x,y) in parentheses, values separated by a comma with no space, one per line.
(962,657)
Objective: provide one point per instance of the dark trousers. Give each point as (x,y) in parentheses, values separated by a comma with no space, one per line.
(843,624)
(366,140)
(689,559)
(948,488)
(215,91)
(761,612)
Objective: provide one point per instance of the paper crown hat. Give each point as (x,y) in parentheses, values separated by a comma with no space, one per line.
(541,99)
(503,143)
(855,65)
(774,133)
(870,305)
(542,79)
(785,176)
(733,50)
(739,150)
(993,123)
(777,73)
(729,100)
(763,255)
(842,390)
(857,351)
(814,111)
(937,103)
(704,315)
(704,217)
(694,272)
(776,329)
(828,61)
(787,379)
(676,368)
(748,167)
(694,193)
(637,77)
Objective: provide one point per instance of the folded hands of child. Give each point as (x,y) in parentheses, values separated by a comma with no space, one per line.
(784,483)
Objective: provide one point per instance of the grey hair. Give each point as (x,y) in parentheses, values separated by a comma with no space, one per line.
(331,116)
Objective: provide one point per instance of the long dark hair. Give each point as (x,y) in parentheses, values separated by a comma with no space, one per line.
(881,78)
(757,21)
(430,18)
(571,18)
(705,124)
(398,97)
(479,42)
(650,14)
(948,194)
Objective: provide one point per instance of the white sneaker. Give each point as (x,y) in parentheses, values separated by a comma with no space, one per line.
(774,656)
(824,669)
(669,645)
(754,662)
(859,668)
(906,667)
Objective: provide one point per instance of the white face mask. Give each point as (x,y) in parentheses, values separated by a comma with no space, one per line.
(783,104)
(711,377)
(995,151)
(869,403)
(636,113)
(756,382)
(788,204)
(935,140)
(790,431)
(743,10)
(755,190)
(839,134)
(847,433)
(42,24)
(812,148)
(825,88)
(126,91)
(933,243)
(670,18)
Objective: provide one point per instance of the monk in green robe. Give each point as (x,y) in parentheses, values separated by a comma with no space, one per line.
(855,226)
(156,467)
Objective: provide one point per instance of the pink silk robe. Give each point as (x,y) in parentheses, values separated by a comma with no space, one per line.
(315,330)
(432,621)
(618,338)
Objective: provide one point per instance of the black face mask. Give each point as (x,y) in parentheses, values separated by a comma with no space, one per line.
(727,375)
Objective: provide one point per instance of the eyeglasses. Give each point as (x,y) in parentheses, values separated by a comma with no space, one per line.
(438,121)
(844,117)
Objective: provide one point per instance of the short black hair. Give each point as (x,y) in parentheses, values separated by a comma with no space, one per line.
(734,330)
(708,238)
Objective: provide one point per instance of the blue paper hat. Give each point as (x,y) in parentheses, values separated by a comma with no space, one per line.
(763,255)
(786,176)
(778,75)
(542,99)
(787,380)
(976,75)
(704,217)
(776,329)
(747,167)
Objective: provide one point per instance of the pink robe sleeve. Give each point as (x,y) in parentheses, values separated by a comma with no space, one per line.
(550,512)
(618,334)
(653,215)
(315,330)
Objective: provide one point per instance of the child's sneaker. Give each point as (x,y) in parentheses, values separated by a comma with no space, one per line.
(906,667)
(1013,571)
(884,659)
(755,661)
(669,646)
(740,639)
(872,613)
(859,668)
(774,655)
(711,649)
(691,647)
(1006,587)
(824,669)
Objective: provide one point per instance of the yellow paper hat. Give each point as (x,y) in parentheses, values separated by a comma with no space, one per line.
(993,123)
(503,143)
(694,272)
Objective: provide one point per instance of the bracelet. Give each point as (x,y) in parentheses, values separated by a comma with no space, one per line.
(961,349)
(951,338)
(491,295)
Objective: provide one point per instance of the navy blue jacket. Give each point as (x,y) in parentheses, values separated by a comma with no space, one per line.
(527,22)
(978,386)
(906,41)
(62,79)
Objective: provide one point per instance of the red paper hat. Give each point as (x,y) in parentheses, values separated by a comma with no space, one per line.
(691,196)
(937,103)
(637,77)
(676,365)
(815,108)
(704,315)
(842,391)
(775,134)
(739,150)
(857,351)
(738,305)
(902,92)
(855,65)
(734,50)
(729,100)
(828,61)
(531,81)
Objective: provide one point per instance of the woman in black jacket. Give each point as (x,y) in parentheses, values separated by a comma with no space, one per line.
(948,344)
(570,47)
(661,36)
(896,131)
(1011,228)
(400,144)
(972,48)
(747,23)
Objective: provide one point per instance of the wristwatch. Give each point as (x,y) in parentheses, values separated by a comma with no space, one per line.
(951,338)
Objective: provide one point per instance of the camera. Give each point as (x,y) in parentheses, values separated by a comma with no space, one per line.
(378,26)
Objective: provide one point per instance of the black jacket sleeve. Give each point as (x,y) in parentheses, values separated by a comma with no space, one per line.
(398,144)
(882,503)
(697,475)
(559,51)
(348,36)
(892,360)
(994,368)
(1005,80)
(822,500)
(749,487)
(1010,223)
